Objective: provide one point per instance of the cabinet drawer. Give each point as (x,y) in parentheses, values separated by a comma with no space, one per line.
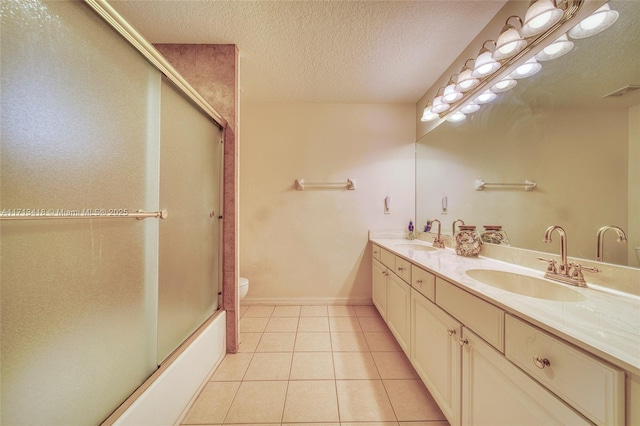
(424,282)
(403,269)
(496,392)
(482,317)
(376,252)
(388,259)
(591,386)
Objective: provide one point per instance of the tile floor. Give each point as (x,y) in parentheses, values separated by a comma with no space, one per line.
(315,365)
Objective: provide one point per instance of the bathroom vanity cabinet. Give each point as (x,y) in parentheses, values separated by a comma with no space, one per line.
(496,392)
(392,294)
(379,290)
(485,365)
(436,353)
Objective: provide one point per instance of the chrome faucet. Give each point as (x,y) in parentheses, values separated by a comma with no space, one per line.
(453,226)
(564,273)
(437,242)
(622,238)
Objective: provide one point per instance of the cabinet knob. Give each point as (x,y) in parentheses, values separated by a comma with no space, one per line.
(463,341)
(541,362)
(451,331)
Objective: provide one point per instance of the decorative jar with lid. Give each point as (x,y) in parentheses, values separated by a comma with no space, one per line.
(494,234)
(468,241)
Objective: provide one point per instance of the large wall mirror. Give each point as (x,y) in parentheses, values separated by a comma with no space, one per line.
(559,129)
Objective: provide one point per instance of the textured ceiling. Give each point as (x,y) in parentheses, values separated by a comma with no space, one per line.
(323,51)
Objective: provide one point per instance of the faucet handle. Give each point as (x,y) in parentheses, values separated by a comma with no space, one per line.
(551,264)
(578,268)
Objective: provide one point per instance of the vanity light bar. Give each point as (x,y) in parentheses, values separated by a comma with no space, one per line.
(473,82)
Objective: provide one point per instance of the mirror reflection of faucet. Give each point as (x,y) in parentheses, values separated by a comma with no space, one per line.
(453,226)
(437,242)
(622,238)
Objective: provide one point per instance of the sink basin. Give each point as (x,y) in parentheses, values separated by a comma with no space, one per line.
(526,285)
(417,247)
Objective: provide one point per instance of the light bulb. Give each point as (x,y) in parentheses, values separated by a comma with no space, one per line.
(485,65)
(470,108)
(451,94)
(598,21)
(594,20)
(509,43)
(466,81)
(456,117)
(560,47)
(527,69)
(439,106)
(540,16)
(428,115)
(485,97)
(503,85)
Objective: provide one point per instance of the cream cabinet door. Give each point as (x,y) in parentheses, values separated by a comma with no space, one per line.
(398,310)
(495,392)
(436,353)
(379,290)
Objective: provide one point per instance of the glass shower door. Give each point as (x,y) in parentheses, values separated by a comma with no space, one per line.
(189,270)
(80,133)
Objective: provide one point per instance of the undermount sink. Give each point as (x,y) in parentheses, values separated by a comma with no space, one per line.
(526,285)
(418,247)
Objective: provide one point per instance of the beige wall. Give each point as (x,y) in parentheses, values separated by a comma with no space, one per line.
(311,246)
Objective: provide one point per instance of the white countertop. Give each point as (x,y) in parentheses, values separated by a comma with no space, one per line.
(606,323)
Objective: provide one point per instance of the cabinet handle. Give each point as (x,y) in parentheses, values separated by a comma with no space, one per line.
(400,268)
(419,282)
(451,331)
(541,362)
(375,252)
(463,341)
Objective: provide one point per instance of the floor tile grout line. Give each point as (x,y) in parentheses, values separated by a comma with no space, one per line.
(332,351)
(286,392)
(335,377)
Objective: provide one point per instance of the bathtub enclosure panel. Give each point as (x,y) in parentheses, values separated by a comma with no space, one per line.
(80,132)
(190,167)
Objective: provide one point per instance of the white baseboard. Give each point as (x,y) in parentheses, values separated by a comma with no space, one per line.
(306,301)
(166,400)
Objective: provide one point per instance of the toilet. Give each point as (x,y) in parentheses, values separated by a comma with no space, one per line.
(243,287)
